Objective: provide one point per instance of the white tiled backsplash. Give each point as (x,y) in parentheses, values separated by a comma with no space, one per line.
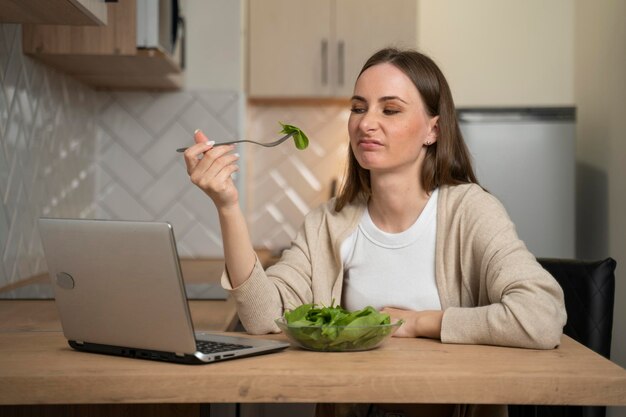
(47,147)
(69,151)
(142,177)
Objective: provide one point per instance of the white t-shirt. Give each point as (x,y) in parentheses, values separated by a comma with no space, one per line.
(392,269)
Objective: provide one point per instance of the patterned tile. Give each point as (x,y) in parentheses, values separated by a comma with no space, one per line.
(4,110)
(225,104)
(165,190)
(5,48)
(46,128)
(164,110)
(198,116)
(5,223)
(161,152)
(284,184)
(125,128)
(201,207)
(11,254)
(5,170)
(135,102)
(122,165)
(149,180)
(13,63)
(200,241)
(181,217)
(217,101)
(68,151)
(120,204)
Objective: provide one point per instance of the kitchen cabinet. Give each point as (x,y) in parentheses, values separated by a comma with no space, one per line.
(504,53)
(305,49)
(104,57)
(54,12)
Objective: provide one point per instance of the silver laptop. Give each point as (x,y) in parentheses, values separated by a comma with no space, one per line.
(119,290)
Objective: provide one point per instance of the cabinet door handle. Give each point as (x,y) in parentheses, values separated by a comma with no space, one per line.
(324,62)
(340,62)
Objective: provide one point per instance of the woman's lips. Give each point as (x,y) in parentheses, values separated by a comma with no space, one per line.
(369,144)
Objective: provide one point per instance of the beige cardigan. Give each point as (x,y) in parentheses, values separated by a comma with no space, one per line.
(491,288)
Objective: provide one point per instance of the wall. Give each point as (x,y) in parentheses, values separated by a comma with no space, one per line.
(47,148)
(600,88)
(68,151)
(502,52)
(140,175)
(215,33)
(283,183)
(490,58)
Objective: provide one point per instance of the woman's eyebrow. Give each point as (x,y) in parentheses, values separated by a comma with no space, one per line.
(358,98)
(384,98)
(388,98)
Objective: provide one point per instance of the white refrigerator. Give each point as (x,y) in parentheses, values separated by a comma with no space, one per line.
(526,158)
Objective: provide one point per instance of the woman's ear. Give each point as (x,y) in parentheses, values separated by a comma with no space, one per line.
(433,131)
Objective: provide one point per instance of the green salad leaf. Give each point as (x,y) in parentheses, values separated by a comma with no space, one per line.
(301,140)
(336,329)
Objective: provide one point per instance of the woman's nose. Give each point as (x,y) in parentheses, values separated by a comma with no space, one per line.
(368,121)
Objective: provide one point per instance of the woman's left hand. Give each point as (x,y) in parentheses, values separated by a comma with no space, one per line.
(425,323)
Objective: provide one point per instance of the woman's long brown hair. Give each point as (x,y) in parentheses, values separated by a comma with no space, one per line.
(447,161)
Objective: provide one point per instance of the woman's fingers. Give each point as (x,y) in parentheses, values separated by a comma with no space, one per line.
(199,136)
(220,183)
(213,159)
(210,168)
(214,162)
(406,330)
(193,153)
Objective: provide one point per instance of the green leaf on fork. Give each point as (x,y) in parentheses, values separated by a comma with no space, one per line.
(299,137)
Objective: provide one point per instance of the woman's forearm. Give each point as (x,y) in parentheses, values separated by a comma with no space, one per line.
(426,323)
(238,251)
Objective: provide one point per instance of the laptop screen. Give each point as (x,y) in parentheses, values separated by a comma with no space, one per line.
(118,283)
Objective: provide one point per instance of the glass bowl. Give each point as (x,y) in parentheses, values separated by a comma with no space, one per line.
(326,338)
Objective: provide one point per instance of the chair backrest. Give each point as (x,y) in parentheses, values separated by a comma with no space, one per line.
(589,290)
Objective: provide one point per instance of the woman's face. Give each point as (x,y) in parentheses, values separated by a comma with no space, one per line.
(388,123)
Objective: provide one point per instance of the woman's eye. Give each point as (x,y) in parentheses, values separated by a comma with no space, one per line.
(357,110)
(390,112)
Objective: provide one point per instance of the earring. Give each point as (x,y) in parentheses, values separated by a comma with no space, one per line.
(427,143)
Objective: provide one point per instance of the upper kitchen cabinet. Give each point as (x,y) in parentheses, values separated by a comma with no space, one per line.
(54,12)
(363,27)
(111,56)
(502,53)
(289,42)
(315,49)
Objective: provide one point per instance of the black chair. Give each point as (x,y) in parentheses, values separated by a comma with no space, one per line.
(589,289)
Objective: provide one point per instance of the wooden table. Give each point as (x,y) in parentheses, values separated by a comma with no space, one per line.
(20,318)
(40,368)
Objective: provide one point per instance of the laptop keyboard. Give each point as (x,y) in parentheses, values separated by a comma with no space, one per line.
(215,347)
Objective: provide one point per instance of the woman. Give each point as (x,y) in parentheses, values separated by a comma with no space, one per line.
(411,231)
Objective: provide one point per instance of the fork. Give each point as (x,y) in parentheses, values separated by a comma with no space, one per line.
(267,144)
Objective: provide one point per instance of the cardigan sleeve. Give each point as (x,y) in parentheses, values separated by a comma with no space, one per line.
(264,296)
(510,299)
